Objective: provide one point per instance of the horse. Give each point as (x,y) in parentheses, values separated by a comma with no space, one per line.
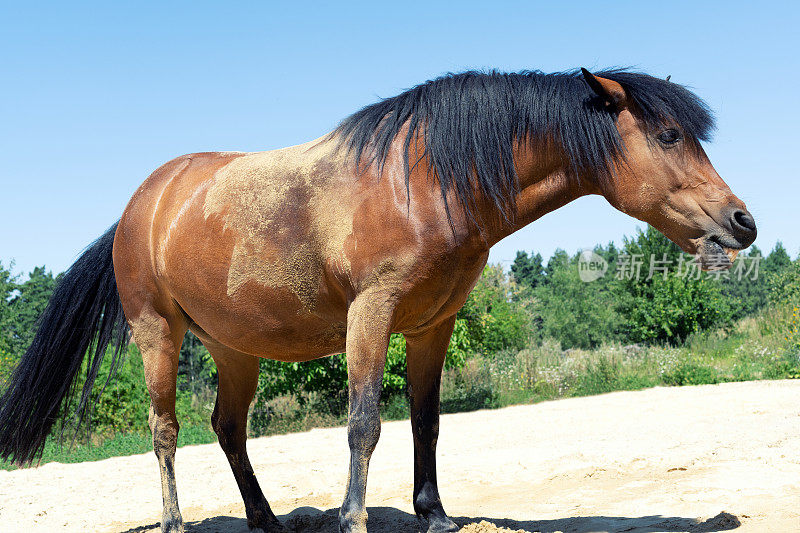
(382,226)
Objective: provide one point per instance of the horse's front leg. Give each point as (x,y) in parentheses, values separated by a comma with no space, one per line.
(368,323)
(425,355)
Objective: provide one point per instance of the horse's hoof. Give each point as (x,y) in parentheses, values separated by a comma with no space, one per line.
(442,525)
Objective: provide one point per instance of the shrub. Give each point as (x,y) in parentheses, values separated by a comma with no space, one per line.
(671,309)
(785,285)
(690,373)
(124,404)
(493,317)
(783,366)
(7,364)
(326,376)
(599,376)
(292,412)
(667,309)
(395,407)
(468,388)
(394,373)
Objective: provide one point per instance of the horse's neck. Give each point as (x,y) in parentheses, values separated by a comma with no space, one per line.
(544,187)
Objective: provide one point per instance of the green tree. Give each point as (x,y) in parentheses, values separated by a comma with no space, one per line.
(745,287)
(327,376)
(748,284)
(7,313)
(784,286)
(559,259)
(648,244)
(673,308)
(196,368)
(8,357)
(27,305)
(777,260)
(610,254)
(576,313)
(528,271)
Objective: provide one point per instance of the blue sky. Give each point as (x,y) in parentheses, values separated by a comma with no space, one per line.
(94,97)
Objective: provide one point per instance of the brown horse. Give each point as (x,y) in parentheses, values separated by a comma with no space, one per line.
(382,226)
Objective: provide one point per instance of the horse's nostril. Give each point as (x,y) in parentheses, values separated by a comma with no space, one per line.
(744,220)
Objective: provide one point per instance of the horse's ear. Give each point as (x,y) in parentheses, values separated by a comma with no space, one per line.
(610,91)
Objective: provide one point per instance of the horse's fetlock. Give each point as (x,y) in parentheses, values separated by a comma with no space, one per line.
(171,522)
(427,500)
(352,521)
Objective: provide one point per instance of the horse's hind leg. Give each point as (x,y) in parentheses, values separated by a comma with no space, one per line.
(159,340)
(425,355)
(238,379)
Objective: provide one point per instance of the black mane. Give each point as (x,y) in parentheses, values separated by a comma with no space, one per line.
(469,123)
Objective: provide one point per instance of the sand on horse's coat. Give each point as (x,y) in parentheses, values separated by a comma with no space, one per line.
(667,459)
(255,194)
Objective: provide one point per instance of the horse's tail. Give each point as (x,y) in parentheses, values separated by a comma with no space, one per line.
(84,315)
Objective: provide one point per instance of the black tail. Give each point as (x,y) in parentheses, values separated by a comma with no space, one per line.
(83,317)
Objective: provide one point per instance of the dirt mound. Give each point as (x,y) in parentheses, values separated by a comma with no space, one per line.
(487,527)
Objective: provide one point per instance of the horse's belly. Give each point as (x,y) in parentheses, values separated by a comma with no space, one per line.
(288,344)
(270,330)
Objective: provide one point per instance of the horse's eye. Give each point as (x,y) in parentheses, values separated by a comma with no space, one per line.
(669,137)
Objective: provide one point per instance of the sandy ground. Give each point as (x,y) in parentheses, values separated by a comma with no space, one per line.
(706,458)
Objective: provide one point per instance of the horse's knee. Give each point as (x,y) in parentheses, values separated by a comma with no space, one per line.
(364,430)
(364,424)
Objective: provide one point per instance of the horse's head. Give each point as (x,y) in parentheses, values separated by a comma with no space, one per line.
(664,177)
